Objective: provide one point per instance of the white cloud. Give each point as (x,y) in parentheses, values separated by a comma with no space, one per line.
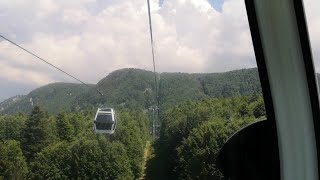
(75,16)
(24,77)
(190,36)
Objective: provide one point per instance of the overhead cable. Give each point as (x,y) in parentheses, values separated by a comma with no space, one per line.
(154,68)
(38,57)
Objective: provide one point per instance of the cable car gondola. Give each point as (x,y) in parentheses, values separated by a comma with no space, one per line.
(105,121)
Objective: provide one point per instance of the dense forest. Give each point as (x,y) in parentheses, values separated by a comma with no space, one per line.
(48,134)
(64,146)
(192,134)
(39,146)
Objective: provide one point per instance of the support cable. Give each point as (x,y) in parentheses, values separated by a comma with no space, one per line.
(38,57)
(155,117)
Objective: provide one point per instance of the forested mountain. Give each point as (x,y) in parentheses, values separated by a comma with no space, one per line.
(241,82)
(8,102)
(56,97)
(176,88)
(135,89)
(126,87)
(53,138)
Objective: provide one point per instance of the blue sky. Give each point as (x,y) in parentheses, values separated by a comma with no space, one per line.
(91,38)
(216,4)
(161,2)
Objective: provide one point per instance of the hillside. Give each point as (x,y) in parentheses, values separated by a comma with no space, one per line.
(176,88)
(55,97)
(8,102)
(135,89)
(126,87)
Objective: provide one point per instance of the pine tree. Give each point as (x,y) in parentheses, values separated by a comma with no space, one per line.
(64,127)
(35,133)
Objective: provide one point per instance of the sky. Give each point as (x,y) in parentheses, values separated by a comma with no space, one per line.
(91,38)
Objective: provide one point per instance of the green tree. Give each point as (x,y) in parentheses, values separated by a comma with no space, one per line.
(116,160)
(258,108)
(53,162)
(64,128)
(190,119)
(11,127)
(243,107)
(177,125)
(35,133)
(130,135)
(82,159)
(78,123)
(198,152)
(12,162)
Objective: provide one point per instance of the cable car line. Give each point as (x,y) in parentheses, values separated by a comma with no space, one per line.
(152,49)
(154,70)
(38,57)
(105,119)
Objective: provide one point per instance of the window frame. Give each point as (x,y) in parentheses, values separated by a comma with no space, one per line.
(293,165)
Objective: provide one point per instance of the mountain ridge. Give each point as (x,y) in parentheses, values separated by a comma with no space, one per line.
(135,88)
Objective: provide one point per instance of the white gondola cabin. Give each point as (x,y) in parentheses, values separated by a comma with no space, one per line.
(105,121)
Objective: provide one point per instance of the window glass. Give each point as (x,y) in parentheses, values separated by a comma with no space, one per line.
(171,124)
(313,16)
(104,118)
